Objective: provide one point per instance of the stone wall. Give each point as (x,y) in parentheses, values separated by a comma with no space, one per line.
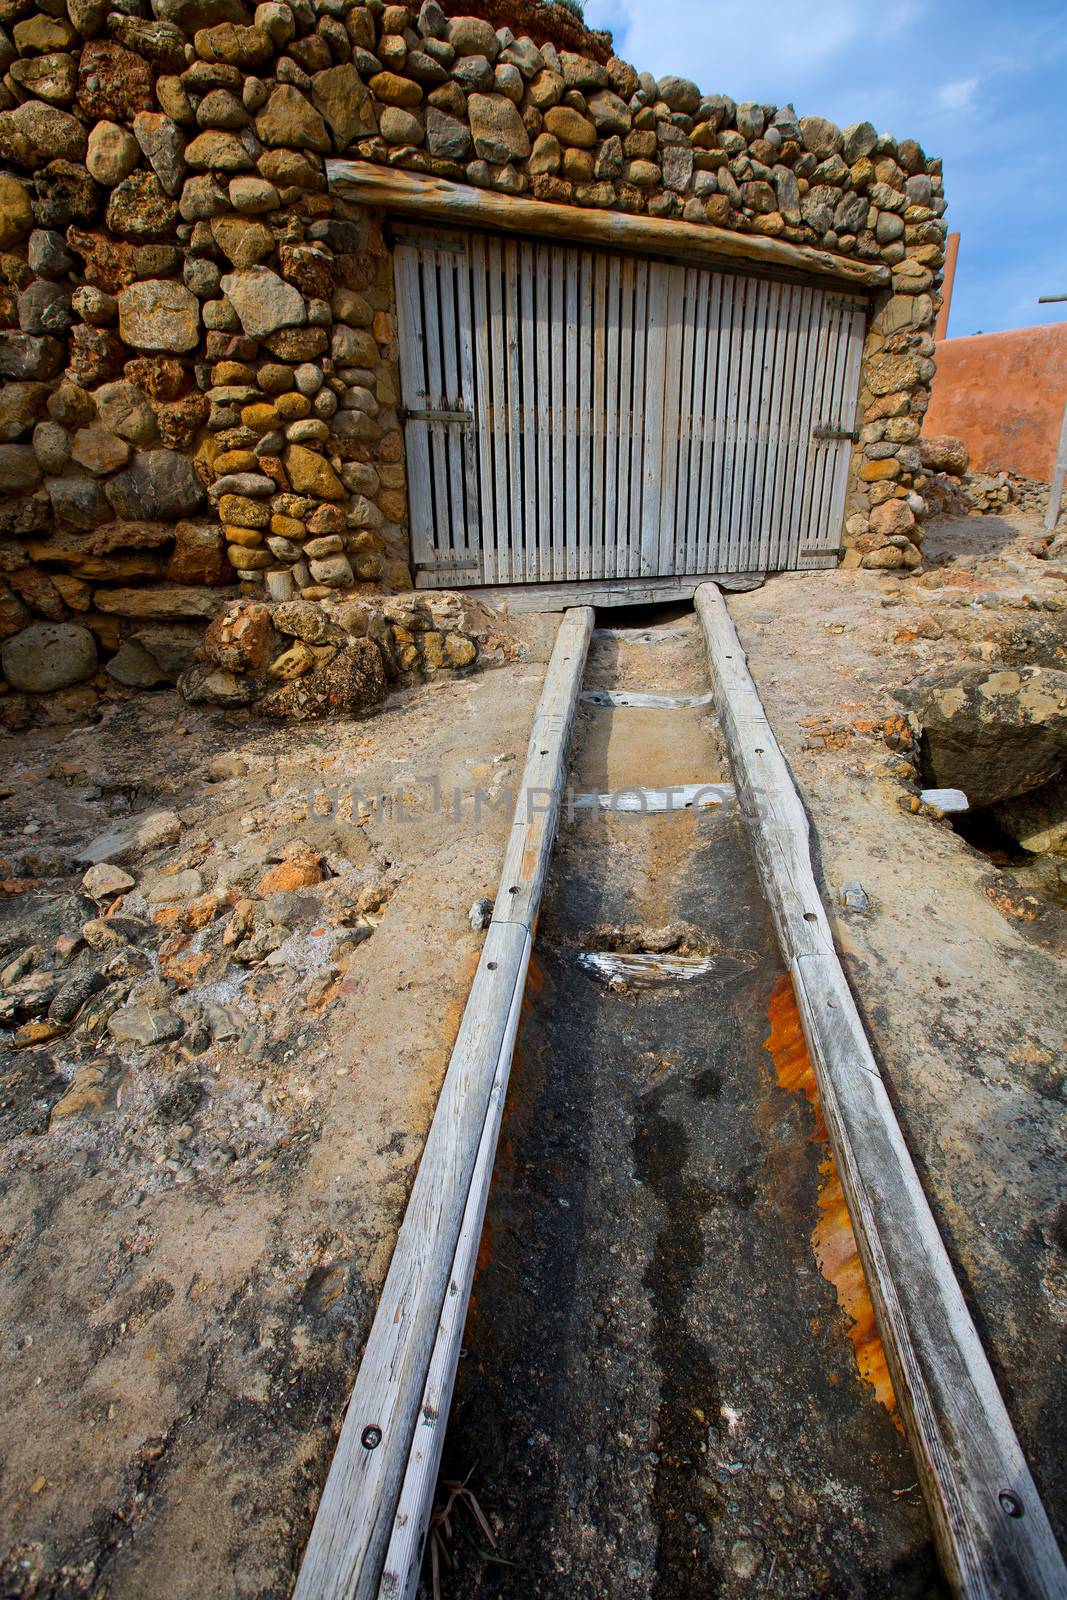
(198,343)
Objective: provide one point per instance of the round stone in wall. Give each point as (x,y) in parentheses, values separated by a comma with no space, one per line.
(159,314)
(47,656)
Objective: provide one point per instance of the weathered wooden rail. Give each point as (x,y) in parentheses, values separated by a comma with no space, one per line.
(992,1534)
(382,1478)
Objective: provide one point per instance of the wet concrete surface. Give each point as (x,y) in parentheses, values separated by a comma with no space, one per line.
(659,1395)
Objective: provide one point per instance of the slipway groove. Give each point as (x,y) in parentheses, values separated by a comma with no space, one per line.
(659,1395)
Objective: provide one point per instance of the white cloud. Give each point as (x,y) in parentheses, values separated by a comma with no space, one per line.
(957,95)
(720,48)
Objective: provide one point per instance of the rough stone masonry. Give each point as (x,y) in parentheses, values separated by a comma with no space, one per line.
(198,343)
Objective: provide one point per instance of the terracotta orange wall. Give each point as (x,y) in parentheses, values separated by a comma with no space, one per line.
(1003,394)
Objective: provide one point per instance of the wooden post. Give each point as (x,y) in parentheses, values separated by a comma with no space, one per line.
(355,1519)
(1059,473)
(948,282)
(992,1533)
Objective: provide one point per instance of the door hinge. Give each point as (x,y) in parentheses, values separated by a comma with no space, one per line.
(832,430)
(844,302)
(824,550)
(407,414)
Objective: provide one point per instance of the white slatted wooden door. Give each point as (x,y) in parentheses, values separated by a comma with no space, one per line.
(572,414)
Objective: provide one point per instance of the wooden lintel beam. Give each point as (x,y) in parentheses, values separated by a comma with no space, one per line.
(438,200)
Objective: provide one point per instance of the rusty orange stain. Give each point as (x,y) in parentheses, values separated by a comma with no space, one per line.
(535,978)
(832,1238)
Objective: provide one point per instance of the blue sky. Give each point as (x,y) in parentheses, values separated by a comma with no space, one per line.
(981,84)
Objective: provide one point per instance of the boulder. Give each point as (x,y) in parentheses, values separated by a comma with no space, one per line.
(16,213)
(353,681)
(178,603)
(471,36)
(140,210)
(892,517)
(113,82)
(570,127)
(99,451)
(1038,820)
(204,684)
(123,409)
(159,314)
(498,129)
(133,667)
(35,133)
(821,137)
(26,355)
(163,145)
(241,638)
(680,94)
(48,656)
(343,101)
(288,119)
(263,301)
(158,484)
(310,473)
(993,732)
(19,468)
(148,830)
(942,453)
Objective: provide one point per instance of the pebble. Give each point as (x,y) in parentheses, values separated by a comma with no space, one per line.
(105,879)
(139,834)
(188,885)
(746,1557)
(143,1025)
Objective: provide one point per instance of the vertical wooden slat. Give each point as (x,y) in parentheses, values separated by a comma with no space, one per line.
(673,376)
(828,414)
(559,414)
(757,446)
(742,346)
(853,359)
(698,298)
(803,533)
(710,444)
(585,413)
(655,379)
(779,477)
(498,333)
(628,335)
(733,336)
(445,263)
(598,425)
(810,344)
(436,401)
(468,402)
(614,487)
(513,412)
(484,409)
(571,399)
(685,420)
(752,555)
(796,455)
(846,348)
(543,405)
(415,395)
(637,469)
(528,353)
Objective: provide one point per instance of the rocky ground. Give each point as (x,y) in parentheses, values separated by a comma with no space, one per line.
(225,1025)
(222,1046)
